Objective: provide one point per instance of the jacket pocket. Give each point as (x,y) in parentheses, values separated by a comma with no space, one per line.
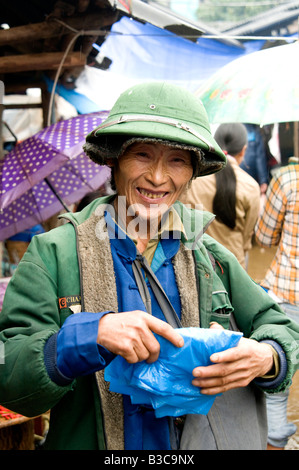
(221,308)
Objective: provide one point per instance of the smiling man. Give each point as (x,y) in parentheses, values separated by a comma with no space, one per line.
(127,268)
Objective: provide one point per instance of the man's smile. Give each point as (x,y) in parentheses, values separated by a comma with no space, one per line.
(151,194)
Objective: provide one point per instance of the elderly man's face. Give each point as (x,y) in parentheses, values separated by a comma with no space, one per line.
(152,177)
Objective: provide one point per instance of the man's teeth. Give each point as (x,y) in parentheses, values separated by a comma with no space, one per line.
(151,195)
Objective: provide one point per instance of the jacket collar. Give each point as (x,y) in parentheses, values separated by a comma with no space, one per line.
(194,222)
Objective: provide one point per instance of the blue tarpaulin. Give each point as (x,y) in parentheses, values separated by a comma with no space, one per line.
(145,51)
(142,52)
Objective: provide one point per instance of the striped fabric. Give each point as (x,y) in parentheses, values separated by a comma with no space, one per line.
(279,225)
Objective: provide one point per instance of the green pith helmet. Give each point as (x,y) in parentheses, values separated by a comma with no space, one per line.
(159,112)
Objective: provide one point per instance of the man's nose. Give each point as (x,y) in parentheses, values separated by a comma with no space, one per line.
(158,173)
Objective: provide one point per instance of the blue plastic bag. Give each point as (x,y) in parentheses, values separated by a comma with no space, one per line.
(166,383)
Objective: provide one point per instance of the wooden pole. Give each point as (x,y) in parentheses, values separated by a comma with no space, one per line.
(30,32)
(42,61)
(296,139)
(54,27)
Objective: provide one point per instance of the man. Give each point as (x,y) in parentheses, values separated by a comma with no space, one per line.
(78,300)
(278,226)
(255,159)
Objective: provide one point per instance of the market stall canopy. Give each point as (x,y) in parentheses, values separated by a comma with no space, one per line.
(157,15)
(42,37)
(141,51)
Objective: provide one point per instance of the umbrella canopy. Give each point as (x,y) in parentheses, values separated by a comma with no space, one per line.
(69,184)
(40,155)
(259,88)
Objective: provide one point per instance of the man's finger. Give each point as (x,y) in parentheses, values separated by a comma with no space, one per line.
(215,326)
(168,332)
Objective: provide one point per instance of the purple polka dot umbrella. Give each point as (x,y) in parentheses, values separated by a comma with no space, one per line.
(47,172)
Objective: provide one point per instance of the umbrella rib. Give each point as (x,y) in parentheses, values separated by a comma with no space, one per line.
(57,195)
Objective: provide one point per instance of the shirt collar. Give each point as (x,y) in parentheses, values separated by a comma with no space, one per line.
(169,234)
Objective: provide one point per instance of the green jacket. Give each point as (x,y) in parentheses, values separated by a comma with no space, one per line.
(50,270)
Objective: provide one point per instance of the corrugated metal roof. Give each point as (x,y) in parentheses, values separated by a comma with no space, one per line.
(155,14)
(275,18)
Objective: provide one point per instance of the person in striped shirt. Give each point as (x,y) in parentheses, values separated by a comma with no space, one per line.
(278,225)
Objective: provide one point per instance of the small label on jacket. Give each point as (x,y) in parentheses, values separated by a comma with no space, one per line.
(69,301)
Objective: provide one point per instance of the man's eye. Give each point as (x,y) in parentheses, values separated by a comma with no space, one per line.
(142,154)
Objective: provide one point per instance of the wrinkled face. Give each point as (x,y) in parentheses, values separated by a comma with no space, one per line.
(151,177)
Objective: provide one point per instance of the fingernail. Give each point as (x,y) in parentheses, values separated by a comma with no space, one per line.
(214,357)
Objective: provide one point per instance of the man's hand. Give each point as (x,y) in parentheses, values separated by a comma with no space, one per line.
(234,368)
(130,334)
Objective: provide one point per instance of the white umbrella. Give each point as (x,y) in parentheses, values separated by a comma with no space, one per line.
(259,88)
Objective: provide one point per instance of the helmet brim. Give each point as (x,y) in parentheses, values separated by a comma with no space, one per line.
(107,141)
